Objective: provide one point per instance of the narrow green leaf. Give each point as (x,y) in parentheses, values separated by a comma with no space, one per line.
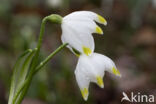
(20,71)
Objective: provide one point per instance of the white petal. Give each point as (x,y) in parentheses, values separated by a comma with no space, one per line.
(77,40)
(85,20)
(105,63)
(82,27)
(77,29)
(91,71)
(83,83)
(64,41)
(86,15)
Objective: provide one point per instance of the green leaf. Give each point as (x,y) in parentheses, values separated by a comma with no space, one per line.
(20,72)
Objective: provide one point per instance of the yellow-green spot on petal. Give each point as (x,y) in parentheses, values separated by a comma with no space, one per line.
(84,93)
(115,71)
(100,81)
(102,20)
(99,30)
(87,50)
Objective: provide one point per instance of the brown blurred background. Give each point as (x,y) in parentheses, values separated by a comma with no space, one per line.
(129,39)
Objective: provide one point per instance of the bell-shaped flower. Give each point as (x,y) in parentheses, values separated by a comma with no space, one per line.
(77,29)
(92,69)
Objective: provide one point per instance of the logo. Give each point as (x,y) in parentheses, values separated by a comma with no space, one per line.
(137,97)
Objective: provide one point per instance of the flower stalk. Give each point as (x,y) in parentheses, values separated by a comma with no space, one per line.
(43,63)
(19,93)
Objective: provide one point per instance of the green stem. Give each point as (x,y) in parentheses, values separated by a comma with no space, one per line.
(55,19)
(49,57)
(28,80)
(35,59)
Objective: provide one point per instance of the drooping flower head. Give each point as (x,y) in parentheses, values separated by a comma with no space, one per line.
(77,29)
(92,69)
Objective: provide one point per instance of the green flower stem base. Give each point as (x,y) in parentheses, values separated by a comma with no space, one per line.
(44,62)
(34,67)
(23,91)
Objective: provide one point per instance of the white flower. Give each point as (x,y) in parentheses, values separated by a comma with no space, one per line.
(92,69)
(77,29)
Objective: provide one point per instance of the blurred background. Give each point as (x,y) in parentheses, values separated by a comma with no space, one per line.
(129,39)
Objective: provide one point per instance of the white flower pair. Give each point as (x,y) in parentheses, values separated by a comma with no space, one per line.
(77,29)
